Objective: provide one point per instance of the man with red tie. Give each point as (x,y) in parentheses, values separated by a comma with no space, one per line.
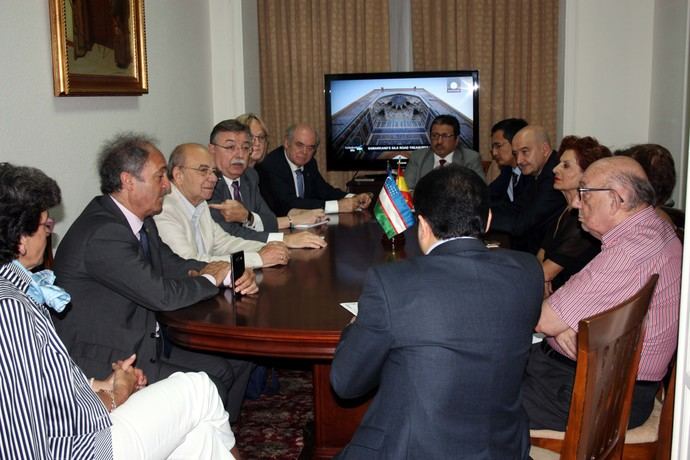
(445,149)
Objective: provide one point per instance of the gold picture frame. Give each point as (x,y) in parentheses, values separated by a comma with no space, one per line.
(99,47)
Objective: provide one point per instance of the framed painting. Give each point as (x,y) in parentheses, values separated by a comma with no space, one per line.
(99,47)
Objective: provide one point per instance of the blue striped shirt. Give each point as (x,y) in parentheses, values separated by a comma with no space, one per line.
(47,408)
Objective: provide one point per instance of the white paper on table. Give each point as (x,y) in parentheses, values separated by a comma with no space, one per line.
(352,307)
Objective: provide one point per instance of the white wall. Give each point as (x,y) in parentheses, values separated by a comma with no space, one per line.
(607,78)
(625,74)
(669,92)
(62,135)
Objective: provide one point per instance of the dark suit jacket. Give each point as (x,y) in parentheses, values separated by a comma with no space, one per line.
(278,186)
(422,162)
(527,218)
(447,350)
(252,200)
(116,291)
(498,188)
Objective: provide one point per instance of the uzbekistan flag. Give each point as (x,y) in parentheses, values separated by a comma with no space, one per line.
(392,212)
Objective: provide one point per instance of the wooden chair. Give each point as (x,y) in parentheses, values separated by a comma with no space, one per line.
(650,441)
(608,355)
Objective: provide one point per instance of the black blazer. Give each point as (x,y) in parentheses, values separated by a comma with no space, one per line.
(252,200)
(447,351)
(116,291)
(528,217)
(278,186)
(498,188)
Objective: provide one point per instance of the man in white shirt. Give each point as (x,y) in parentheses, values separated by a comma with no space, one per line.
(185,223)
(237,205)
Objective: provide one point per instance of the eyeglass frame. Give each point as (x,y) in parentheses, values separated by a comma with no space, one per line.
(49,225)
(581,190)
(236,147)
(498,145)
(204,170)
(263,139)
(302,146)
(444,136)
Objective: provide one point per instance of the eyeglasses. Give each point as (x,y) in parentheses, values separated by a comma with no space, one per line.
(49,225)
(437,136)
(583,190)
(308,148)
(204,170)
(262,139)
(498,145)
(234,148)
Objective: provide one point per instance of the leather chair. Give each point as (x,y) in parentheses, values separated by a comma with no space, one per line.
(609,347)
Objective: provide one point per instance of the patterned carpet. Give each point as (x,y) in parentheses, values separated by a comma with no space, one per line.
(272,426)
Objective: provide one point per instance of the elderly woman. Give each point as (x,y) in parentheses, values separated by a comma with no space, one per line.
(566,248)
(660,168)
(50,409)
(259,137)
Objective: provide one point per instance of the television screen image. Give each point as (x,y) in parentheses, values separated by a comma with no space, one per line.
(374,118)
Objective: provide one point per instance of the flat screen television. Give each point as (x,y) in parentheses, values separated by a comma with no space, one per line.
(372,118)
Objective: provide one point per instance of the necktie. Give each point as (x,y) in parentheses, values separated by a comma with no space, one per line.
(300,183)
(236,190)
(514,178)
(441,163)
(144,242)
(200,247)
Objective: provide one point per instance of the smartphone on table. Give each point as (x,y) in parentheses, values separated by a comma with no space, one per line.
(237,262)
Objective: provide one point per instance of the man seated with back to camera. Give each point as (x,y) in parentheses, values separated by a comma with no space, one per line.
(446,349)
(290,178)
(237,205)
(615,205)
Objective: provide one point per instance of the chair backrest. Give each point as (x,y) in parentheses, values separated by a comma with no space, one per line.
(608,356)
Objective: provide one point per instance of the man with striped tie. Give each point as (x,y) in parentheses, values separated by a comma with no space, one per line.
(237,205)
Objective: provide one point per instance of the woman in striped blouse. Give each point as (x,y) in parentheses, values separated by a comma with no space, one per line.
(48,407)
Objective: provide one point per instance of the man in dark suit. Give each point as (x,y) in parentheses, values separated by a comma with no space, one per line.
(290,178)
(445,150)
(446,348)
(119,273)
(242,211)
(507,186)
(527,217)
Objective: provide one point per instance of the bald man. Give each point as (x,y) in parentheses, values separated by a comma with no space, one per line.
(615,205)
(185,224)
(527,217)
(290,178)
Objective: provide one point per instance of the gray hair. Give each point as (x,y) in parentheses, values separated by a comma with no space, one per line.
(177,157)
(639,188)
(229,126)
(126,152)
(290,133)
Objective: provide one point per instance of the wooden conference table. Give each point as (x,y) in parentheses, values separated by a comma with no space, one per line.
(297,314)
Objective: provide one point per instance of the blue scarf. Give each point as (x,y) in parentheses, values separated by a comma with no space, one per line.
(42,290)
